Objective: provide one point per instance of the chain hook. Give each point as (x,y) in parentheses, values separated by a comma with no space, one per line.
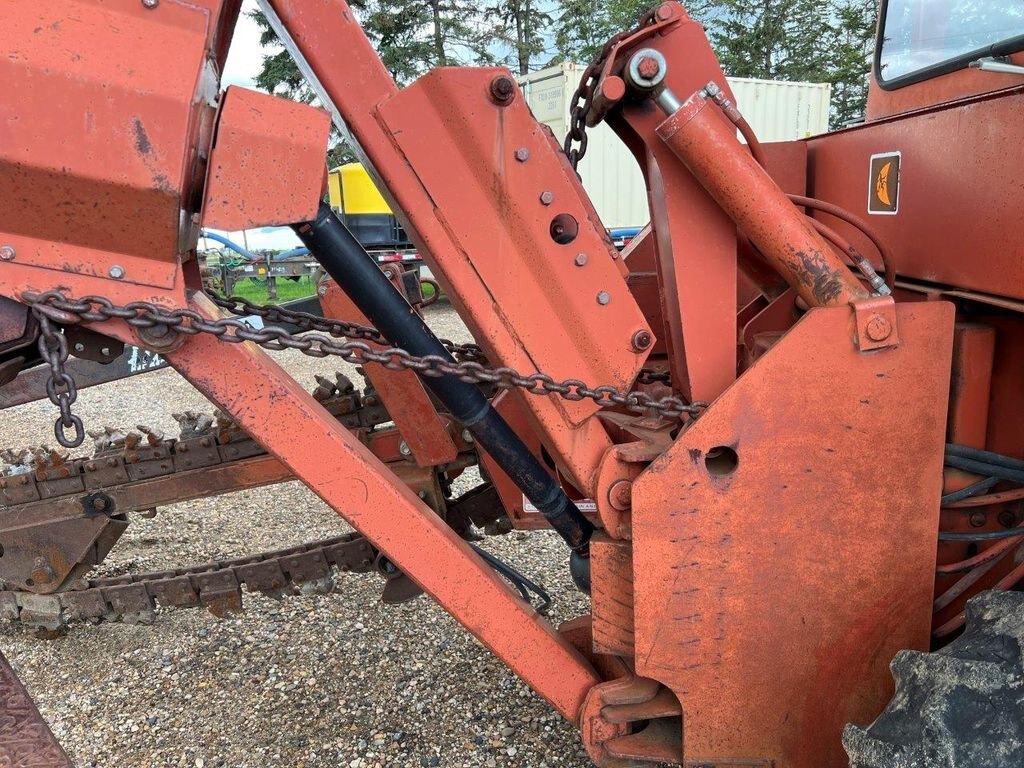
(60,387)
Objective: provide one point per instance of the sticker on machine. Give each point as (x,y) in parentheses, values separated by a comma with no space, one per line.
(584,505)
(884,184)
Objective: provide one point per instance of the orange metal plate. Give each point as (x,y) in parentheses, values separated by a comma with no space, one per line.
(267,164)
(97,123)
(493,206)
(771,599)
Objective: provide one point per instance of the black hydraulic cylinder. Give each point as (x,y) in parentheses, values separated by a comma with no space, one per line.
(357,273)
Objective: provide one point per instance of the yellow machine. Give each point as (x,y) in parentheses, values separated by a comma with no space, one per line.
(355,197)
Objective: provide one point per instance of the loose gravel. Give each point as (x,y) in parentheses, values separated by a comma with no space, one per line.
(315,680)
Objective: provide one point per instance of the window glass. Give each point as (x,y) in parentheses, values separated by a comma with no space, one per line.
(920,34)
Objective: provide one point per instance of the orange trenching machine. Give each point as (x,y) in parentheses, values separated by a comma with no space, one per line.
(795,466)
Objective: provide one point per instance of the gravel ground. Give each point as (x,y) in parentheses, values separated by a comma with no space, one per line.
(319,680)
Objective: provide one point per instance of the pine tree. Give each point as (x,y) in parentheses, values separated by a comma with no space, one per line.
(851,54)
(521,26)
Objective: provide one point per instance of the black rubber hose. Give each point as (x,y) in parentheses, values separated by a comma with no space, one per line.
(985,468)
(358,274)
(988,457)
(971,490)
(981,536)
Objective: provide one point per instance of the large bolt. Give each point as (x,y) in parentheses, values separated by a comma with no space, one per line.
(42,573)
(404,449)
(620,495)
(547,198)
(648,67)
(151,3)
(581,260)
(878,328)
(6,253)
(116,272)
(503,90)
(641,340)
(522,154)
(603,298)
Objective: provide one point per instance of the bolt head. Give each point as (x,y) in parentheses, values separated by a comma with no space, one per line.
(151,3)
(978,519)
(522,154)
(321,291)
(648,67)
(404,449)
(467,436)
(603,298)
(878,328)
(547,197)
(116,272)
(642,340)
(6,253)
(580,260)
(620,495)
(503,90)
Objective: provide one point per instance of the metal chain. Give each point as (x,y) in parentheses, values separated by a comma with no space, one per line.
(144,315)
(583,97)
(305,321)
(60,387)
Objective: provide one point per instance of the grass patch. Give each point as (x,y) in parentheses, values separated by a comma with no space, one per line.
(287,290)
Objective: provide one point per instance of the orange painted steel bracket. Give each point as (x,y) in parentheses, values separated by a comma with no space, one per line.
(279,414)
(823,463)
(494,209)
(403,394)
(695,241)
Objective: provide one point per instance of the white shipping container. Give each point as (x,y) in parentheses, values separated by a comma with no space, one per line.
(777,111)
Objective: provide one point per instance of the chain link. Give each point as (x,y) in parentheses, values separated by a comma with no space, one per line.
(583,97)
(60,387)
(305,321)
(143,315)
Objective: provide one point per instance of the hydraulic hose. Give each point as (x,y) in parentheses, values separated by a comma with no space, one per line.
(355,271)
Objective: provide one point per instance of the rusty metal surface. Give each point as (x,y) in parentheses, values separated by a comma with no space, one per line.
(837,454)
(61,517)
(25,738)
(267,164)
(611,568)
(955,222)
(123,148)
(216,586)
(707,145)
(408,403)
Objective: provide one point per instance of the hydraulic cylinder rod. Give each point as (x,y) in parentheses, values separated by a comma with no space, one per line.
(345,260)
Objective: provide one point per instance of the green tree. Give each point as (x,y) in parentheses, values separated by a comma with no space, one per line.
(582,27)
(773,39)
(521,26)
(851,53)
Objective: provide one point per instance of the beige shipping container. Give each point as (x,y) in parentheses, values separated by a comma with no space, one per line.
(778,111)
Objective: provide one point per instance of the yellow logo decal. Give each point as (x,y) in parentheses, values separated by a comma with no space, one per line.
(882,183)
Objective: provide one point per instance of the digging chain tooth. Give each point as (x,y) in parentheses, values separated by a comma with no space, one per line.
(324,389)
(343,383)
(303,569)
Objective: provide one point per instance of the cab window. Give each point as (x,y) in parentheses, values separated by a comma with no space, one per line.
(921,38)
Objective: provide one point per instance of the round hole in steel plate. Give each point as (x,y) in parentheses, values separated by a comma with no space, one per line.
(564,229)
(721,461)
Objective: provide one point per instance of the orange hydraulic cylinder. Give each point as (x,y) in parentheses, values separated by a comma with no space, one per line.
(706,143)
